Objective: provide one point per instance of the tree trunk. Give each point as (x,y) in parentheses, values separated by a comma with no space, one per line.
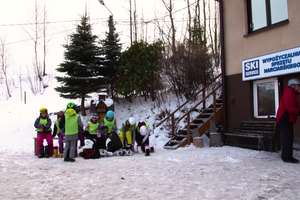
(44,37)
(204,20)
(189,22)
(82,107)
(7,87)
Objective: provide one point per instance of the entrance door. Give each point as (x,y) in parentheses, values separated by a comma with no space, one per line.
(265,94)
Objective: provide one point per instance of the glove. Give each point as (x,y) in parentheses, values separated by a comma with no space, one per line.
(108,141)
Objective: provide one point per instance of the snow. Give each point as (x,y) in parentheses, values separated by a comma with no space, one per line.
(188,173)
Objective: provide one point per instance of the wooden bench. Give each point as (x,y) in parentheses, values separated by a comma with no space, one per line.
(260,143)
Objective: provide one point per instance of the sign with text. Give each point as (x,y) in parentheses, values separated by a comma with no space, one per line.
(275,64)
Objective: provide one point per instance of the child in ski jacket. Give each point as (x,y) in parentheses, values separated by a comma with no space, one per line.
(43,129)
(113,142)
(101,110)
(110,122)
(73,125)
(142,138)
(126,135)
(58,130)
(94,132)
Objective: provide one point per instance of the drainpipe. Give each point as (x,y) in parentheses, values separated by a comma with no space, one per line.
(223,62)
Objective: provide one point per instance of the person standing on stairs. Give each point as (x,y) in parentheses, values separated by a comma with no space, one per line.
(286,117)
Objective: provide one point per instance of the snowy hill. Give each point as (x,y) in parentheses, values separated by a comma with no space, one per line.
(18,118)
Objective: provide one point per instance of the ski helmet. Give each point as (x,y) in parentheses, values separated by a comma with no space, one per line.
(43,110)
(94,117)
(71,105)
(110,115)
(143,130)
(131,121)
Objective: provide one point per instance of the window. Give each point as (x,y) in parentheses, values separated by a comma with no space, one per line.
(265,94)
(266,13)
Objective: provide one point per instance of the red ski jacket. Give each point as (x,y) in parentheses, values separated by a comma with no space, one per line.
(288,103)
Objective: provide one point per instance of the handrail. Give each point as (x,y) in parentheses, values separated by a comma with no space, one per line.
(187,101)
(195,106)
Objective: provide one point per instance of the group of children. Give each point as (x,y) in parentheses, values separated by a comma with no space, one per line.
(101,130)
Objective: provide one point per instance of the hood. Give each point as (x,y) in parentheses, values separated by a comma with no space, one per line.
(70,112)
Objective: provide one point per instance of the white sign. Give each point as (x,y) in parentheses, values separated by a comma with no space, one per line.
(275,64)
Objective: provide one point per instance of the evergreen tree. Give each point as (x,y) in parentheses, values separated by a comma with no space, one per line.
(139,72)
(110,51)
(82,73)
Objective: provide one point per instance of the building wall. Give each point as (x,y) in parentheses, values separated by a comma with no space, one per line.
(240,46)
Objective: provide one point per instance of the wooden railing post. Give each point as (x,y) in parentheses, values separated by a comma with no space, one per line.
(189,133)
(173,124)
(203,98)
(214,103)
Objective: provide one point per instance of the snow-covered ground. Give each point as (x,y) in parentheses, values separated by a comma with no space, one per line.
(189,173)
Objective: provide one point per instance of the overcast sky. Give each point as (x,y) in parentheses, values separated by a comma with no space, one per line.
(20,47)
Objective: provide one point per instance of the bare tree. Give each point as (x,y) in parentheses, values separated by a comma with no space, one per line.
(39,61)
(217,43)
(170,7)
(210,31)
(44,40)
(204,19)
(4,65)
(135,22)
(36,40)
(189,20)
(130,13)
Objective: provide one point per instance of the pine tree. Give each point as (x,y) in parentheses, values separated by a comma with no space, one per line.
(110,50)
(82,72)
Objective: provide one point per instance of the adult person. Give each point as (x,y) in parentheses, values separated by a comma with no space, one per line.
(73,125)
(286,117)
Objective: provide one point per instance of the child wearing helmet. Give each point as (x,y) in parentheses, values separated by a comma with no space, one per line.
(110,122)
(92,129)
(142,138)
(101,110)
(59,130)
(43,129)
(127,135)
(73,106)
(73,125)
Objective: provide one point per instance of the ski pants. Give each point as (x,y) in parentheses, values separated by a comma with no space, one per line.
(286,130)
(61,142)
(70,146)
(81,138)
(40,139)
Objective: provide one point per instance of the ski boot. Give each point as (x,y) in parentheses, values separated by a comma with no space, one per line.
(41,153)
(147,151)
(46,152)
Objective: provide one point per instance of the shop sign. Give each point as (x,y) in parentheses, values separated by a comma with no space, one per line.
(275,64)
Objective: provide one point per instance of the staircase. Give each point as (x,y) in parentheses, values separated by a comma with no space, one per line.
(197,120)
(254,134)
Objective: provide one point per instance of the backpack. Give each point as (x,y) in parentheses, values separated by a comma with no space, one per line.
(90,154)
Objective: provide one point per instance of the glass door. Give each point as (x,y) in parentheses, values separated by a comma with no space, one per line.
(266,98)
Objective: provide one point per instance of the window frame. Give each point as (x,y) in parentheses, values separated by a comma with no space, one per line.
(255,83)
(268,18)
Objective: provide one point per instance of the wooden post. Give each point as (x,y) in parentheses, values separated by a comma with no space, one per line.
(173,124)
(25,100)
(189,133)
(214,103)
(203,98)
